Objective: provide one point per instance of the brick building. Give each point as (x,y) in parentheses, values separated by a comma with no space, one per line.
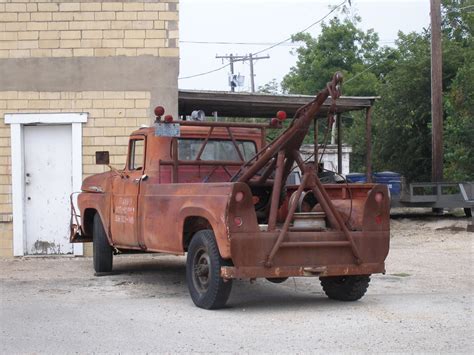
(75,77)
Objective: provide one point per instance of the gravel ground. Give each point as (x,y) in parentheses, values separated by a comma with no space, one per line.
(423,304)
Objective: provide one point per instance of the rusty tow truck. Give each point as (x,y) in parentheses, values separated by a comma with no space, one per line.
(218,192)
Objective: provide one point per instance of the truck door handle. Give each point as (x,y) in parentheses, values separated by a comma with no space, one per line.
(141,178)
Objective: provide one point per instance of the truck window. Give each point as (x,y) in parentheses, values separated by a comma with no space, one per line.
(216,149)
(137,154)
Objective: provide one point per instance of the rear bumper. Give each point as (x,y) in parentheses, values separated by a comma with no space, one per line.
(232,272)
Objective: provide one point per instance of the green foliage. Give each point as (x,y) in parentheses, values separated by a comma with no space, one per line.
(402,136)
(459,124)
(272,87)
(340,47)
(401,76)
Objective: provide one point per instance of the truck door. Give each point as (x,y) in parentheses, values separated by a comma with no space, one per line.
(126,188)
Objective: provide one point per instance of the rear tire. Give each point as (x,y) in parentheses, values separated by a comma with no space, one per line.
(102,251)
(345,288)
(468,211)
(207,288)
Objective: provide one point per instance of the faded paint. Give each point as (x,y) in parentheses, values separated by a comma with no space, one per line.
(353,241)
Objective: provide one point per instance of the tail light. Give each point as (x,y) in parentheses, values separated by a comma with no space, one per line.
(379,197)
(239,196)
(168,118)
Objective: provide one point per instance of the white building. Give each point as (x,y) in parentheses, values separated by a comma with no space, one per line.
(329,158)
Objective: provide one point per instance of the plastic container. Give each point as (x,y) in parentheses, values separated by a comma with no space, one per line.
(356,177)
(393,180)
(395,187)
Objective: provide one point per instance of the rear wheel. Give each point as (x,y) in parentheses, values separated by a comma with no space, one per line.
(203,266)
(345,288)
(468,211)
(102,251)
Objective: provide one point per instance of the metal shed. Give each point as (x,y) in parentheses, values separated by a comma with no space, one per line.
(245,105)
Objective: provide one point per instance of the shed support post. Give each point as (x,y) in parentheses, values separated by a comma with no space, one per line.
(315,146)
(339,143)
(368,143)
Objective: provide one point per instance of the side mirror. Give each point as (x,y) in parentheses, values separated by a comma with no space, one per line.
(102,158)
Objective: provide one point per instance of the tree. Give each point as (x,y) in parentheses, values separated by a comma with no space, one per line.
(401,76)
(459,124)
(402,135)
(272,87)
(402,131)
(341,46)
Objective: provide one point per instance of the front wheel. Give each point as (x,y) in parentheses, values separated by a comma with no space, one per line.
(102,251)
(277,280)
(203,266)
(345,288)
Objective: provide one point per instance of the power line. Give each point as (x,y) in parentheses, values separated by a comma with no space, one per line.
(363,71)
(205,73)
(272,46)
(236,43)
(304,30)
(293,44)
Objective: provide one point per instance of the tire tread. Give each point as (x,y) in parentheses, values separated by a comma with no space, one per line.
(102,251)
(219,290)
(345,288)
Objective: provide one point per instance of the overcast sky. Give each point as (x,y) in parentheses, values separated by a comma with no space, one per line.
(271,21)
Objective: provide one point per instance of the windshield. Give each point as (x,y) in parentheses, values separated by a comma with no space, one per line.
(216,149)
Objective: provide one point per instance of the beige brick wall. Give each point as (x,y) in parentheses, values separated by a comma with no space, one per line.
(49,28)
(6,239)
(113,115)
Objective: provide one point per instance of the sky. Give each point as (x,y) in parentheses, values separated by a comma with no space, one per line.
(267,22)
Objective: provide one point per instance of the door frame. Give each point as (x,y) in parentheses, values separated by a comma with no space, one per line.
(17,121)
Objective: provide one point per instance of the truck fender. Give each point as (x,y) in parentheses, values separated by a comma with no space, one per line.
(217,223)
(97,202)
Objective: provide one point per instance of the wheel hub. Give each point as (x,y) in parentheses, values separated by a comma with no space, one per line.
(201,270)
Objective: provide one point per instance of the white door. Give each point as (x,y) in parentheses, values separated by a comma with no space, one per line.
(48,184)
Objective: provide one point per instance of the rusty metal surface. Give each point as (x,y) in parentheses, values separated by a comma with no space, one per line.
(229,272)
(160,205)
(251,249)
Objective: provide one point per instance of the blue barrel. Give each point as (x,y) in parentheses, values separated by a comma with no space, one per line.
(393,180)
(356,177)
(395,187)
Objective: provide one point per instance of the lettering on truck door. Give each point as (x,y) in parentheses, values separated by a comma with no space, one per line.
(126,188)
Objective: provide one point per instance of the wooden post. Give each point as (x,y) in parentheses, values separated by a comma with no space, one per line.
(339,144)
(316,146)
(436,93)
(368,143)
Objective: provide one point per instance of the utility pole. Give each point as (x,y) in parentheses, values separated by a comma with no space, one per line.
(252,75)
(231,61)
(436,93)
(239,58)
